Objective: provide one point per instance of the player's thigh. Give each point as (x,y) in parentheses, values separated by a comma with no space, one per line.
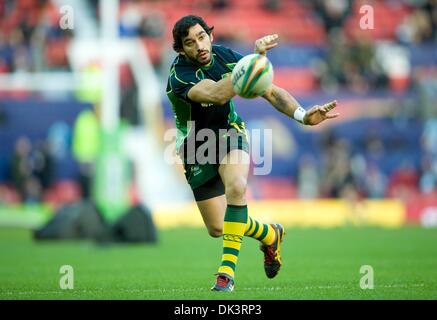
(213,214)
(234,169)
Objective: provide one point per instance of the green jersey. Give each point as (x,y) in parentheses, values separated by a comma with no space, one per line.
(183,76)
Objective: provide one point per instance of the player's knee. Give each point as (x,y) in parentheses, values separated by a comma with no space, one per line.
(236,187)
(215,232)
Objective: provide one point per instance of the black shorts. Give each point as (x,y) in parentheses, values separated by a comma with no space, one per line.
(212,188)
(204,179)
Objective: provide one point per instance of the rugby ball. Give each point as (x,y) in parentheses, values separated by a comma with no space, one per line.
(252,75)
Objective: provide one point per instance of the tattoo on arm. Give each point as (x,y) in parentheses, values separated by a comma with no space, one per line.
(284,102)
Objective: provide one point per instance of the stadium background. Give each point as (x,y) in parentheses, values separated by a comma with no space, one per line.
(62,132)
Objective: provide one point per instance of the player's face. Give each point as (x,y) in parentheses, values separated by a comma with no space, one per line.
(197,46)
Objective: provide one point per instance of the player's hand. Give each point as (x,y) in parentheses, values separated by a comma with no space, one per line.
(317,114)
(266,43)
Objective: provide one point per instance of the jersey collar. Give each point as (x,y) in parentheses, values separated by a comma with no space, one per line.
(211,65)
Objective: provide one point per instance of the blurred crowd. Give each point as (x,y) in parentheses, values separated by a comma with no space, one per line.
(346,173)
(355,61)
(30,37)
(31,168)
(418,26)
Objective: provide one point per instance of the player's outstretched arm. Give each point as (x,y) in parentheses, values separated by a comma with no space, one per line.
(209,91)
(287,104)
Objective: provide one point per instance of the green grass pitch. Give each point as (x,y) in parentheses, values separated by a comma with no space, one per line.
(318,264)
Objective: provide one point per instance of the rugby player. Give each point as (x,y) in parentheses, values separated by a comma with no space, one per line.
(200,91)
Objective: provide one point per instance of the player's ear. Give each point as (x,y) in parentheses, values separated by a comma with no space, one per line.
(211,37)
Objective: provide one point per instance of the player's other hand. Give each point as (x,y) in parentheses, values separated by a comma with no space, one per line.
(266,43)
(317,114)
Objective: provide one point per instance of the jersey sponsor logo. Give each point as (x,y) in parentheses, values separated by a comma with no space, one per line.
(196,170)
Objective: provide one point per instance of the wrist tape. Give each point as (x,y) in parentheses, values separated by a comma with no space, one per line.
(299,114)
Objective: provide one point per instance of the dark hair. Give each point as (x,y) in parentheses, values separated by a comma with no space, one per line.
(181,27)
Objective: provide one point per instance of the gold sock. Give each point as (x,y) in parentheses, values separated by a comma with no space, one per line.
(233,232)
